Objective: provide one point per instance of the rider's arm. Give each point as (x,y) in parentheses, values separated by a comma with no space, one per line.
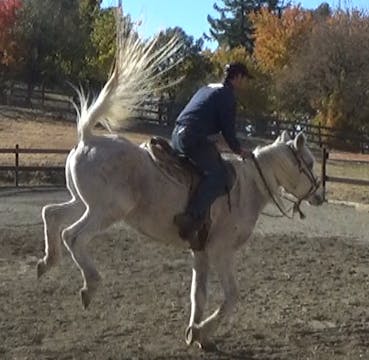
(227,118)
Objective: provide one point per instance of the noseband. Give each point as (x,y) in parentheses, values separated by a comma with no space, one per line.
(303,169)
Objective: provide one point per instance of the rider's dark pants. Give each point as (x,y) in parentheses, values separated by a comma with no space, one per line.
(204,155)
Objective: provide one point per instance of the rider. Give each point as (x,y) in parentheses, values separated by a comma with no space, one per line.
(211,110)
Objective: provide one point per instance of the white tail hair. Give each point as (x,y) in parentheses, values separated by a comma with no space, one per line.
(138,67)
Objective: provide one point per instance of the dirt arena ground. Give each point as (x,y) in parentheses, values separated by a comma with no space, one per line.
(304,292)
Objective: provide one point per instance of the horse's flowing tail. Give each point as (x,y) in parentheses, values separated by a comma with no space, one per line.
(138,67)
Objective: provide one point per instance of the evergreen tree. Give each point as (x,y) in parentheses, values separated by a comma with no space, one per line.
(193,69)
(234,27)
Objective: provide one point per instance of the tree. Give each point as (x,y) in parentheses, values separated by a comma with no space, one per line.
(323,11)
(279,38)
(330,76)
(89,16)
(48,31)
(234,27)
(194,69)
(9,49)
(98,26)
(103,45)
(8,16)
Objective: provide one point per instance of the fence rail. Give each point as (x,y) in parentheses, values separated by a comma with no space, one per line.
(16,168)
(39,98)
(326,178)
(17,151)
(163,112)
(317,134)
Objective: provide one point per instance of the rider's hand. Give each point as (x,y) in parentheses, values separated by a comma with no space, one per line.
(246,154)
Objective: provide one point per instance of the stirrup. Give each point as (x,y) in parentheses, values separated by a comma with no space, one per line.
(191,230)
(187,225)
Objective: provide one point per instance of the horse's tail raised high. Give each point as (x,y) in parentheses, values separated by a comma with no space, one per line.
(138,67)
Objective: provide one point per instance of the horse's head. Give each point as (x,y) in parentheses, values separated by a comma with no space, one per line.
(299,178)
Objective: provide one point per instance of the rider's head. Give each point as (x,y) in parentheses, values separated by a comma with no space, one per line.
(236,73)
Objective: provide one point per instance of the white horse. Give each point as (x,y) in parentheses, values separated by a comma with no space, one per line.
(110,179)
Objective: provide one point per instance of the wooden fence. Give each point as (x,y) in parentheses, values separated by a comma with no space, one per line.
(40,99)
(163,112)
(316,134)
(16,168)
(17,151)
(327,178)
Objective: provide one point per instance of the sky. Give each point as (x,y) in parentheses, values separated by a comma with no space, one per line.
(191,15)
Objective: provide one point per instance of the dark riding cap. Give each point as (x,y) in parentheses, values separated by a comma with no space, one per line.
(234,69)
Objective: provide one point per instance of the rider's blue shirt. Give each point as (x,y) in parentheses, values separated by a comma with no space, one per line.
(211,110)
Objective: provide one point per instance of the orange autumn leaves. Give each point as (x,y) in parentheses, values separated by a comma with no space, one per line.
(8,15)
(277,38)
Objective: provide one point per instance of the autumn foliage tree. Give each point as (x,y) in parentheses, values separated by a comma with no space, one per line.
(8,44)
(312,63)
(8,16)
(330,76)
(278,38)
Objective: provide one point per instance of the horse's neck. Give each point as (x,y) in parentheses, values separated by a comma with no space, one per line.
(250,194)
(256,186)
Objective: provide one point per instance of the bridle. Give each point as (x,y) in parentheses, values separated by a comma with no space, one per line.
(303,169)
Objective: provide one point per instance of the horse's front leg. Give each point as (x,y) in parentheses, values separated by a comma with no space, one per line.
(198,294)
(224,266)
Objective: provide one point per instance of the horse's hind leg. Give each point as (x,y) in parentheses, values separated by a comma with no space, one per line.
(55,217)
(198,294)
(76,238)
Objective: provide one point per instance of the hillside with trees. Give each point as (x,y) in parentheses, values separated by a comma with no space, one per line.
(309,64)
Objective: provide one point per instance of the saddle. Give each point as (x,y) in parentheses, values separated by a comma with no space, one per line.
(181,170)
(174,165)
(177,166)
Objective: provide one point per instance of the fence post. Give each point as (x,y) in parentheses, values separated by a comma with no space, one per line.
(362,141)
(16,165)
(325,156)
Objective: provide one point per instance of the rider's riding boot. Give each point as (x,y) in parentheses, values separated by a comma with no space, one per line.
(188,226)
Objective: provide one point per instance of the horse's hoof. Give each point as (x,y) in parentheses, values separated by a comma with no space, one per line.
(189,336)
(41,268)
(192,335)
(85,298)
(207,346)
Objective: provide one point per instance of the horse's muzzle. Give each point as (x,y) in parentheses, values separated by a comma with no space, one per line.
(317,198)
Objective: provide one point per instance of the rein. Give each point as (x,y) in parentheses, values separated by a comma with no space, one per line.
(296,206)
(268,189)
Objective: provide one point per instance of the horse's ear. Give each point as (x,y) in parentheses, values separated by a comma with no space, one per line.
(299,141)
(285,136)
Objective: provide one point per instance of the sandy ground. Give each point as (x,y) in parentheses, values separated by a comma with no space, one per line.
(303,292)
